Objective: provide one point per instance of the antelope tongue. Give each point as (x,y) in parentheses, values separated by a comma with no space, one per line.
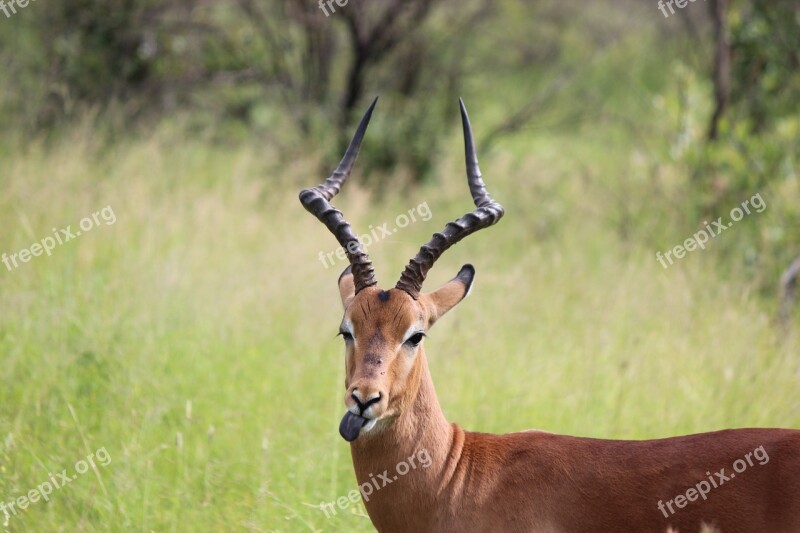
(351,425)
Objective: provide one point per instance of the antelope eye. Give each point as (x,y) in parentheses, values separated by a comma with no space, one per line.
(346,336)
(415,339)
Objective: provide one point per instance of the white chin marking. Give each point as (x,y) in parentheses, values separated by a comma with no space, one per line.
(369,425)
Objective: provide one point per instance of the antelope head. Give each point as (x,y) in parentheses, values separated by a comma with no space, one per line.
(383,330)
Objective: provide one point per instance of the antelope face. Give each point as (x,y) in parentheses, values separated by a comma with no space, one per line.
(383,330)
(383,333)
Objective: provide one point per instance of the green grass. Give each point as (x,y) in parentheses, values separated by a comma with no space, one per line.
(208,291)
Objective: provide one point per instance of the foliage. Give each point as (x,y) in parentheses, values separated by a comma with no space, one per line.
(758,147)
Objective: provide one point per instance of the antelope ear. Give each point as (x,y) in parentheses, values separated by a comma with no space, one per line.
(448,295)
(347,287)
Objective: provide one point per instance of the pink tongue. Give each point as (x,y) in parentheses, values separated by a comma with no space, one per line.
(351,425)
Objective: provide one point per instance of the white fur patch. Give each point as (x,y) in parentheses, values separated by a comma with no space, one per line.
(410,332)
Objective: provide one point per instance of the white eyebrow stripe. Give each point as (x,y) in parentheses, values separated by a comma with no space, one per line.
(414,329)
(348,327)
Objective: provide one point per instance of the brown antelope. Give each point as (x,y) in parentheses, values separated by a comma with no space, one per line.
(744,480)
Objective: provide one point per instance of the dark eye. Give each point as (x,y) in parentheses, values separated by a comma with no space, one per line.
(346,336)
(415,339)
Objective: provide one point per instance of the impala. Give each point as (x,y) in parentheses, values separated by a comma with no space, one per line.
(531,481)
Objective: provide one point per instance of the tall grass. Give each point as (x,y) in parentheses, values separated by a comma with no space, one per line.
(194,338)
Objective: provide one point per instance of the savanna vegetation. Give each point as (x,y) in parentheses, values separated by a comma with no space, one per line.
(193,338)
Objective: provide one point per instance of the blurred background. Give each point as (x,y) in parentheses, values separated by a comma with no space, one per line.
(193,337)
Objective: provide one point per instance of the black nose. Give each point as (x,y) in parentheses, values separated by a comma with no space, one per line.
(364,406)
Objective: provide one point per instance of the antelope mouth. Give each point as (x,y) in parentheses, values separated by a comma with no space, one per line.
(352,424)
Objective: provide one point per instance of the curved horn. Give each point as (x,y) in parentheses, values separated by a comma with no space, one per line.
(317,202)
(487,212)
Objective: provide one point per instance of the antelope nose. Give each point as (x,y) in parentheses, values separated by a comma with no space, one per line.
(363,404)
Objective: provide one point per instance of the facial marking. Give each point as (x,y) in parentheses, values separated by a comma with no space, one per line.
(348,327)
(372,358)
(374,347)
(413,330)
(376,341)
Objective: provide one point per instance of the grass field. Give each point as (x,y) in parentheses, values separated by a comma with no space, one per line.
(193,338)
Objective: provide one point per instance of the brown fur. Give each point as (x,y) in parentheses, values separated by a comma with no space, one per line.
(536,481)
